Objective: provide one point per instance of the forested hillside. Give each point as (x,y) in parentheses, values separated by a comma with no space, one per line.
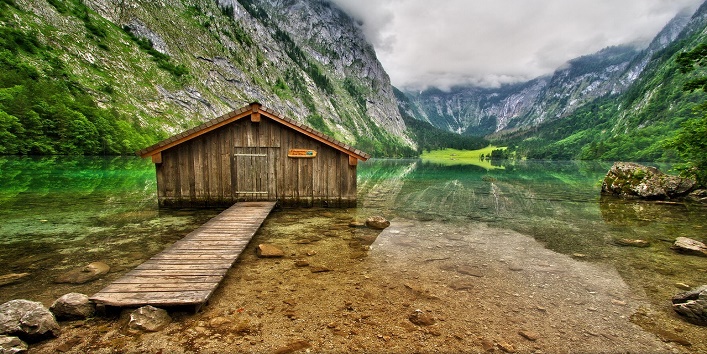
(114,76)
(429,137)
(44,109)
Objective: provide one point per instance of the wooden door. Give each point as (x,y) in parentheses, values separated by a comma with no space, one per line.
(250,173)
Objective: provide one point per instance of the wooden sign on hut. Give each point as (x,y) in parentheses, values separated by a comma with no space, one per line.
(254,154)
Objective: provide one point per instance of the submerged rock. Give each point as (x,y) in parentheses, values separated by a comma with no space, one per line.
(692,305)
(265,250)
(627,179)
(698,195)
(85,274)
(149,318)
(72,306)
(689,246)
(28,320)
(529,335)
(12,278)
(357,223)
(293,347)
(632,242)
(377,222)
(12,345)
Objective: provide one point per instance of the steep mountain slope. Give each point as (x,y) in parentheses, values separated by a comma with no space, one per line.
(632,125)
(159,67)
(482,111)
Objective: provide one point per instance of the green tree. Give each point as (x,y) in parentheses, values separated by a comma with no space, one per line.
(691,140)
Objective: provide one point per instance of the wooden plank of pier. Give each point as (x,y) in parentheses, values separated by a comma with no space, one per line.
(188,272)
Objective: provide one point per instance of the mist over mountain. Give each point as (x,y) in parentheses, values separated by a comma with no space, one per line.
(480,111)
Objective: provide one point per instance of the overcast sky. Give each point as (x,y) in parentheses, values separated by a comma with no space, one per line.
(441,43)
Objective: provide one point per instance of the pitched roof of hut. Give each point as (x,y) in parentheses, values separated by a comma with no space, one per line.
(255,109)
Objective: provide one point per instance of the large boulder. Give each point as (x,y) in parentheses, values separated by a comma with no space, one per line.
(149,318)
(72,306)
(692,305)
(12,345)
(85,274)
(28,320)
(628,179)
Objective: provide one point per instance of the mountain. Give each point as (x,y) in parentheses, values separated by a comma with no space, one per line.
(114,76)
(634,124)
(482,111)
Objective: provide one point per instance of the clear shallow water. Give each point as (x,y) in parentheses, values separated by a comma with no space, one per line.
(60,213)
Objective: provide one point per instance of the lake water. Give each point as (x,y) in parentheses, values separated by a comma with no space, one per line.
(59,213)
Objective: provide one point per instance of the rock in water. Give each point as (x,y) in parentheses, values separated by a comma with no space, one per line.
(149,318)
(632,242)
(377,222)
(627,179)
(28,320)
(692,305)
(72,306)
(689,246)
(12,345)
(265,250)
(12,278)
(85,274)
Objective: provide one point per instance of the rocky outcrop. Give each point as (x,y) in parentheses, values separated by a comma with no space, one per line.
(632,180)
(28,320)
(72,306)
(692,305)
(336,42)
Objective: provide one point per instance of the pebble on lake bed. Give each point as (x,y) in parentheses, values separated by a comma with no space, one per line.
(689,246)
(265,250)
(632,242)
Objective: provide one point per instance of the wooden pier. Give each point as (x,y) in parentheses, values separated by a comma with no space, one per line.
(187,273)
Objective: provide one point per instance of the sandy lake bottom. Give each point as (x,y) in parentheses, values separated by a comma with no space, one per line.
(470,288)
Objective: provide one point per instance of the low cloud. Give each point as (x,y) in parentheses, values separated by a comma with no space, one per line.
(445,43)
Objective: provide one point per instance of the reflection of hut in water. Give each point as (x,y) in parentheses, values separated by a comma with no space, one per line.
(254,154)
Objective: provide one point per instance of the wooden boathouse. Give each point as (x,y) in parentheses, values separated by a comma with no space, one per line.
(254,154)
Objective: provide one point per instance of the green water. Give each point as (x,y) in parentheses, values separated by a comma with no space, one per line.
(60,213)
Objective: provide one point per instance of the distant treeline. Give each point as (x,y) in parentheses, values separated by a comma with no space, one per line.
(430,138)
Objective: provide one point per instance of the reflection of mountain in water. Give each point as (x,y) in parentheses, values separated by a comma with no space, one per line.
(437,192)
(379,181)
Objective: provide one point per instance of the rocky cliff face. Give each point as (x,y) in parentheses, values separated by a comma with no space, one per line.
(331,38)
(202,58)
(482,111)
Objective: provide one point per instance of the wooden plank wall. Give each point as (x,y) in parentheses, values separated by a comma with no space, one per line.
(202,171)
